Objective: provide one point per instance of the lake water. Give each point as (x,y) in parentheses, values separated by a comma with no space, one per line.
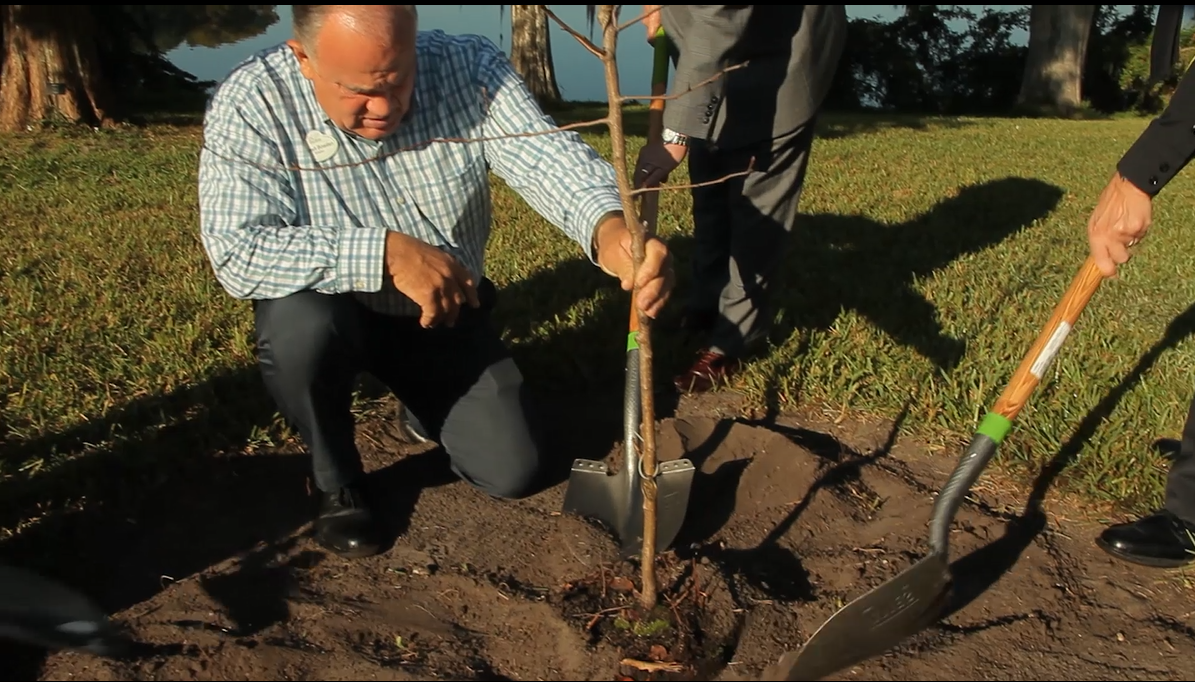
(578,73)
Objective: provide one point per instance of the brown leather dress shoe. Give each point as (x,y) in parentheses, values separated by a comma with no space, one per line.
(711,370)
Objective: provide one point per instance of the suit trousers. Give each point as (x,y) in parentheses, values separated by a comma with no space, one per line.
(459,382)
(741,229)
(1180,482)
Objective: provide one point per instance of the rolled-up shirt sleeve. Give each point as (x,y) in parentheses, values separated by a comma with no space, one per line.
(560,176)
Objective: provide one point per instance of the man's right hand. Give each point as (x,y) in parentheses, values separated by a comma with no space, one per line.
(434,280)
(1120,219)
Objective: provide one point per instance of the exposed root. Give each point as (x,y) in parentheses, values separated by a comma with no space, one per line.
(667,642)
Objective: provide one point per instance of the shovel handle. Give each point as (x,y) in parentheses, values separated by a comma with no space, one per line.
(998,421)
(1049,341)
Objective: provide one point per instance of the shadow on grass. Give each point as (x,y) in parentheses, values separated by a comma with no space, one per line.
(978,571)
(834,263)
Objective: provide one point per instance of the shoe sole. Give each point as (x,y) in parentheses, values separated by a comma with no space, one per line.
(1143,561)
(362,553)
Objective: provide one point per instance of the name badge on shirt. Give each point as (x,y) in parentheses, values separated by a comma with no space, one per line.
(322,145)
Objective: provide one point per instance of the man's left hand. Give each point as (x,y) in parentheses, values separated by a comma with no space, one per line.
(656,162)
(655,277)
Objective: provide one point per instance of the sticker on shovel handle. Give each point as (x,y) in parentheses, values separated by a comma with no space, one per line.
(1050,350)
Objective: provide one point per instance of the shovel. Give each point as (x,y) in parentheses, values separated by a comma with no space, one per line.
(617,499)
(910,602)
(43,612)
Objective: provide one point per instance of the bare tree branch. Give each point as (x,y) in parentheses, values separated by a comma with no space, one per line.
(639,18)
(606,120)
(585,42)
(691,88)
(425,143)
(717,181)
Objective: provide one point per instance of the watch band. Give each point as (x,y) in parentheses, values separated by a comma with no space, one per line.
(672,137)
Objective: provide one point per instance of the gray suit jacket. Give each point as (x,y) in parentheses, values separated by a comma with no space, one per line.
(793,52)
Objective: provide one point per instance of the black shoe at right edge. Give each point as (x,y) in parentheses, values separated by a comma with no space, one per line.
(1160,540)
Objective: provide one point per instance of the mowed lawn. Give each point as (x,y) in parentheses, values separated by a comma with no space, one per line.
(928,256)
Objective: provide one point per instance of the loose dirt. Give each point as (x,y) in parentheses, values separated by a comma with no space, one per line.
(217,579)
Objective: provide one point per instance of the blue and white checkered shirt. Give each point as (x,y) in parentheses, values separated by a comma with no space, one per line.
(275,220)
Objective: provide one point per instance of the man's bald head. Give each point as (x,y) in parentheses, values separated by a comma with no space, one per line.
(373,22)
(361,62)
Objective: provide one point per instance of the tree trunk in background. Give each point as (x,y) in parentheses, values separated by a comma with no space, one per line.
(531,52)
(46,44)
(1058,36)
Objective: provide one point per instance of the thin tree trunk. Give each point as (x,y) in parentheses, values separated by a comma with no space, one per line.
(531,52)
(1058,37)
(51,44)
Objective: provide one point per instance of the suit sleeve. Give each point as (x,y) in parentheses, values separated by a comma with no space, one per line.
(712,34)
(1166,146)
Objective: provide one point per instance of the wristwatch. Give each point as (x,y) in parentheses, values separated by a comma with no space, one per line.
(670,136)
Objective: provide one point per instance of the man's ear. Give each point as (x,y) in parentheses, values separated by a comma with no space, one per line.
(304,59)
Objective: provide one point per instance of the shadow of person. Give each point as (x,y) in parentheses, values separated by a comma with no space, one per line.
(122,551)
(174,498)
(257,593)
(716,490)
(836,263)
(847,467)
(978,571)
(770,568)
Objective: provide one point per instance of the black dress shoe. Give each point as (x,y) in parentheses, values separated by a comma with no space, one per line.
(346,525)
(1161,540)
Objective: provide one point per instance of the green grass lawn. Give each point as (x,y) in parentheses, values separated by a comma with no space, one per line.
(928,257)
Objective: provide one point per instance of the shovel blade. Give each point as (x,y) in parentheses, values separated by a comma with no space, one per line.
(871,624)
(594,493)
(674,481)
(43,612)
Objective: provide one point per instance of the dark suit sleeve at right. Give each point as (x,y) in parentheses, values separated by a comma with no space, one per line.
(1166,146)
(713,32)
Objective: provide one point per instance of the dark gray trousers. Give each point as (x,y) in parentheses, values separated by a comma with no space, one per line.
(740,230)
(459,382)
(1180,482)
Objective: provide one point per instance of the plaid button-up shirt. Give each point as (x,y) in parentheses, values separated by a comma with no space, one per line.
(276,217)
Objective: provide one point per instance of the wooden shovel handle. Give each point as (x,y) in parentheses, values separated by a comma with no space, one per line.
(1041,354)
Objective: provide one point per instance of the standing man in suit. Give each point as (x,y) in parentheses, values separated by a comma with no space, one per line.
(764,110)
(1121,218)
